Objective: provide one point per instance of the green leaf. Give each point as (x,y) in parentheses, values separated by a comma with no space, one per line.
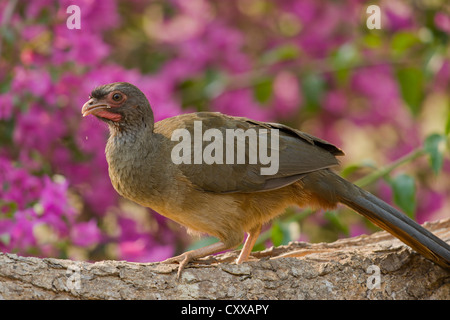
(262,91)
(404,189)
(343,61)
(348,170)
(334,218)
(5,238)
(282,53)
(345,56)
(288,52)
(215,83)
(313,87)
(447,124)
(411,82)
(7,34)
(402,41)
(372,40)
(434,146)
(279,233)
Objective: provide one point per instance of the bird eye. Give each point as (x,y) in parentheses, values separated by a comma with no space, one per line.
(117,97)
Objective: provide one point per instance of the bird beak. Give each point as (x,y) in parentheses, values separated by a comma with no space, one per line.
(92,106)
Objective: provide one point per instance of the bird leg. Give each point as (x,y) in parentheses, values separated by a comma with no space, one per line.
(249,244)
(185,258)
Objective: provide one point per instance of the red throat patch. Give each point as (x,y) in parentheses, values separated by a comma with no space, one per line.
(108,115)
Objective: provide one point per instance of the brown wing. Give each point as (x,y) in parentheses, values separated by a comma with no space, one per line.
(299,153)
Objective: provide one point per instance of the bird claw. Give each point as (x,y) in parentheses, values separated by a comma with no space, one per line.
(182,260)
(185,258)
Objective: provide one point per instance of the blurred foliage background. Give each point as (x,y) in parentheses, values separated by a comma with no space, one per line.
(382,95)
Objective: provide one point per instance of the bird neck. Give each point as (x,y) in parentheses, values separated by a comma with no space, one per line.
(119,130)
(130,154)
(137,137)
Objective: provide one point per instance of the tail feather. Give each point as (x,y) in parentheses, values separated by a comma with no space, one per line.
(396,223)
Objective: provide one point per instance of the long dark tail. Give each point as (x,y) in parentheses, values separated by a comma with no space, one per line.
(395,222)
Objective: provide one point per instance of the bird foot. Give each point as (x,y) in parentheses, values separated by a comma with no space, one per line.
(182,260)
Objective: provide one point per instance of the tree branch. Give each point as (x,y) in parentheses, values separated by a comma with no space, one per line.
(375,266)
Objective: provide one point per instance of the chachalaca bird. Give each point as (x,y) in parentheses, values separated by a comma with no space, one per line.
(227,199)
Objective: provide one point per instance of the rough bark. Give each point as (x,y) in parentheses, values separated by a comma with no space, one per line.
(345,269)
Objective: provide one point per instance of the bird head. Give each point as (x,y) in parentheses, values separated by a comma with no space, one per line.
(120,104)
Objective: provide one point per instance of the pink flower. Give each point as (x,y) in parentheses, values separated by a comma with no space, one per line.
(322,23)
(140,247)
(383,99)
(287,94)
(85,234)
(335,101)
(18,185)
(240,102)
(399,16)
(21,232)
(75,45)
(35,81)
(442,78)
(53,198)
(33,9)
(429,202)
(442,21)
(31,200)
(6,106)
(357,229)
(228,44)
(36,129)
(306,10)
(30,33)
